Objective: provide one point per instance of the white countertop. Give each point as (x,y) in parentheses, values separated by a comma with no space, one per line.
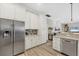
(73,36)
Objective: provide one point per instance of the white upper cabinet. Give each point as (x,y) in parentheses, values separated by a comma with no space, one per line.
(34,21)
(56,43)
(7,11)
(34,40)
(27,21)
(20,13)
(11,11)
(31,21)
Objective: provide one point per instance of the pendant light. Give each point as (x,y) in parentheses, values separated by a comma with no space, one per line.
(71,11)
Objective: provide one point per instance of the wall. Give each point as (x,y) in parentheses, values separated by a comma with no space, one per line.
(75,12)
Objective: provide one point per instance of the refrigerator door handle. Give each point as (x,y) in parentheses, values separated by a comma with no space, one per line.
(6,34)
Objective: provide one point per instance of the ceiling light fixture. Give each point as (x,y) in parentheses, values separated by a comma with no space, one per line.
(71,11)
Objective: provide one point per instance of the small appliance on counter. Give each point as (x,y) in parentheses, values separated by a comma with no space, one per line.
(65,27)
(56,31)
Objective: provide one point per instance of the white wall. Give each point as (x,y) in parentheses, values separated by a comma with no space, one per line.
(75,13)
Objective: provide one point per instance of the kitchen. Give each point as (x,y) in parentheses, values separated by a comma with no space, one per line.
(48,27)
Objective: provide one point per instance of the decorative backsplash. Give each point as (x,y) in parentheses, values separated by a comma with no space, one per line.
(31,31)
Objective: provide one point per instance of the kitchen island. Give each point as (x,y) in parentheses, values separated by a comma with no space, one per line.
(74,37)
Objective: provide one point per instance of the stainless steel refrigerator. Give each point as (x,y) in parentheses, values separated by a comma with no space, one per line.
(12,36)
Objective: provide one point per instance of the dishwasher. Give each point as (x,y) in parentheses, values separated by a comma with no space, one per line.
(69,46)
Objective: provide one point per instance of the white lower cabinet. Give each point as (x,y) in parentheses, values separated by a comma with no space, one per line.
(28,43)
(78,48)
(38,40)
(33,39)
(56,43)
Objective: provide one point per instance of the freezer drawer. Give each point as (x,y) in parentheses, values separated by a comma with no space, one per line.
(19,37)
(69,46)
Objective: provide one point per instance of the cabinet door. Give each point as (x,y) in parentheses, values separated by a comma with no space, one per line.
(37,40)
(27,21)
(34,21)
(34,40)
(43,30)
(7,11)
(56,43)
(28,43)
(20,14)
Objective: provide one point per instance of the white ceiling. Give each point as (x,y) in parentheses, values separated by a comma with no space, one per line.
(54,9)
